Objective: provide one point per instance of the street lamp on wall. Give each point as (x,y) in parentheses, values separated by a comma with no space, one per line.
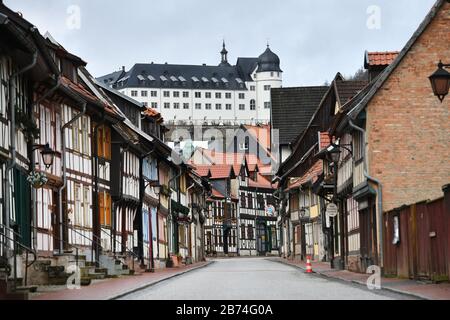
(440,81)
(334,153)
(47,153)
(155,185)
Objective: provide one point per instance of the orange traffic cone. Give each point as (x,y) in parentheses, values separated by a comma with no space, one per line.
(308,265)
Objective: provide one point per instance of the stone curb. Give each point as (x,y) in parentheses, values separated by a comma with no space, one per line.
(148,285)
(415,295)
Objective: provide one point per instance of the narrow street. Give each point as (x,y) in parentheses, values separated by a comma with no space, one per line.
(258,278)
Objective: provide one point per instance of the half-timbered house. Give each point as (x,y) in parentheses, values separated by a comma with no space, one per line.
(22,67)
(198,191)
(258,234)
(221,229)
(317,233)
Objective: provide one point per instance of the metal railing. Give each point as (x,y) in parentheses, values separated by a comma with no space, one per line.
(112,236)
(99,246)
(4,238)
(77,248)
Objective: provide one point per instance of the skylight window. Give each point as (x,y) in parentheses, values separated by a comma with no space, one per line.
(239,80)
(141,77)
(163,78)
(214,80)
(151,78)
(224,80)
(174,79)
(182,79)
(205,79)
(195,79)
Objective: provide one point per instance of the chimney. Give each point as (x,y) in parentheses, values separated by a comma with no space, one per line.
(123,68)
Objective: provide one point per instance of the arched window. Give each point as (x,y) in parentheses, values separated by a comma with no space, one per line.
(252,104)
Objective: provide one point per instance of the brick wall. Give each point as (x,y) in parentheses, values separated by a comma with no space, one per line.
(408,128)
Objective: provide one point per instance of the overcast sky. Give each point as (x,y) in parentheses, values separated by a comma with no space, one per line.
(314,38)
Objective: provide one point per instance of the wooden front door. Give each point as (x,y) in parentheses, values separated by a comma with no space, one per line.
(261,238)
(54,214)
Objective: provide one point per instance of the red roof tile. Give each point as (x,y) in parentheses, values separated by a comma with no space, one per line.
(311,175)
(85,93)
(381,58)
(261,182)
(324,140)
(153,113)
(216,194)
(78,88)
(222,171)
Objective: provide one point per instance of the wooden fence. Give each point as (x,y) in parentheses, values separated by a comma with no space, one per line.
(417,240)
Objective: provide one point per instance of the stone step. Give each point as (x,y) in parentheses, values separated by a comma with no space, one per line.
(27,288)
(101,270)
(97,276)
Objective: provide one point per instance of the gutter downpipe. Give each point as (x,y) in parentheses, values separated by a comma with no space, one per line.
(63,159)
(174,223)
(12,138)
(190,231)
(33,191)
(141,200)
(379,194)
(97,227)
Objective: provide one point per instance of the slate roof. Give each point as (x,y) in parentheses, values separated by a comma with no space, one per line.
(346,90)
(171,76)
(111,77)
(292,109)
(269,61)
(246,66)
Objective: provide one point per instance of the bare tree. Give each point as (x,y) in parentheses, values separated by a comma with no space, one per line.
(360,75)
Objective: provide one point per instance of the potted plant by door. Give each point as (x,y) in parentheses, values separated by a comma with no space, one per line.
(180,259)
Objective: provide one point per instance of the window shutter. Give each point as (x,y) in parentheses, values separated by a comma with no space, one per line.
(107,143)
(101,206)
(100,142)
(108,209)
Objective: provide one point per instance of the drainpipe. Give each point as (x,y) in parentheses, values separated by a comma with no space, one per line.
(379,194)
(190,231)
(12,137)
(142,195)
(174,222)
(97,227)
(63,159)
(33,191)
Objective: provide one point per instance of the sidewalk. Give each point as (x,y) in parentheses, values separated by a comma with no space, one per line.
(114,288)
(404,286)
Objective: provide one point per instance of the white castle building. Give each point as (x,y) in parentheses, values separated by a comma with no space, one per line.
(201,94)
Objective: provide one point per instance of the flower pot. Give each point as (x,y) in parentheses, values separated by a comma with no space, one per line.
(38,185)
(175,261)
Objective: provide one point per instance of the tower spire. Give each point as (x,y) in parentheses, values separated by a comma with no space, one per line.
(224,54)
